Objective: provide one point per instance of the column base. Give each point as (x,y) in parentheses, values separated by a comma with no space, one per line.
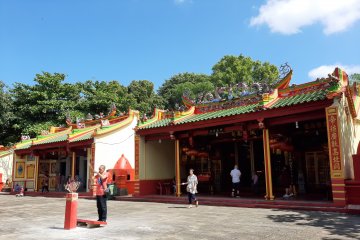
(269,197)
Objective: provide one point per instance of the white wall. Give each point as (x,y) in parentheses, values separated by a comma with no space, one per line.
(350,136)
(110,146)
(6,166)
(159,160)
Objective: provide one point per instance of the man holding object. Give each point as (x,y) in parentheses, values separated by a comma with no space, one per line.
(101,179)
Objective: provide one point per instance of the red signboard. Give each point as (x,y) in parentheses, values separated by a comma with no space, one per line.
(334,141)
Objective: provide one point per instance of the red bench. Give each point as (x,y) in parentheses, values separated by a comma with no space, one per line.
(89,223)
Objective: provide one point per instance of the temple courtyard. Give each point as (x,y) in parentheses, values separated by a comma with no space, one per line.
(43,218)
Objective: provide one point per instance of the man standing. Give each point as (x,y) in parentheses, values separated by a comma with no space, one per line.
(101,179)
(235,174)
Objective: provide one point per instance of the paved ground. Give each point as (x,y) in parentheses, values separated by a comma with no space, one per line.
(43,218)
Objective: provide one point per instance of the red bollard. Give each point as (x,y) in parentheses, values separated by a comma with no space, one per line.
(71,211)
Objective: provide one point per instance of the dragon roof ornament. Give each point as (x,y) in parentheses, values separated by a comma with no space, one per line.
(241,92)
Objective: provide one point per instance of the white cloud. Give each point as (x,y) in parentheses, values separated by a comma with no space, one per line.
(289,16)
(324,70)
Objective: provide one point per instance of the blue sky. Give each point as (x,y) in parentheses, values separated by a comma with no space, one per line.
(141,39)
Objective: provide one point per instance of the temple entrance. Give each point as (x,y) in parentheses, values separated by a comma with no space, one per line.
(298,153)
(214,156)
(299,158)
(55,168)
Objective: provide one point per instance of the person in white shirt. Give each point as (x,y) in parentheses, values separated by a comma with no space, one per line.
(235,174)
(191,188)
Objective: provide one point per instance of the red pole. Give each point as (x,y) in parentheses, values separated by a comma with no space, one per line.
(71,211)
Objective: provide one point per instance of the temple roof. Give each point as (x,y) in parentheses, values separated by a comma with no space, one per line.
(4,153)
(282,96)
(70,135)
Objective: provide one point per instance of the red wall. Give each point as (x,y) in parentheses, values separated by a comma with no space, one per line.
(150,187)
(130,185)
(352,192)
(356,162)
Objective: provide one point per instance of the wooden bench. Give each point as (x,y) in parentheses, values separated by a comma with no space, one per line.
(89,223)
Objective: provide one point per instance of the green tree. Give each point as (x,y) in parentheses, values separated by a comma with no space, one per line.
(7,135)
(142,97)
(97,96)
(355,77)
(45,103)
(173,88)
(231,70)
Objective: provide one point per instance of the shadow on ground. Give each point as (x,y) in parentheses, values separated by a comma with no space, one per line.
(336,224)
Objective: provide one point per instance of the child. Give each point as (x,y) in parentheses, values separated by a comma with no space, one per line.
(21,193)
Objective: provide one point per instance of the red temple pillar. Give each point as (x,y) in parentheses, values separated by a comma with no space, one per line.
(335,156)
(137,164)
(71,211)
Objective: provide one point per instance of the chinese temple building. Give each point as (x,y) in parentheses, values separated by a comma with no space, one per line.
(310,130)
(76,150)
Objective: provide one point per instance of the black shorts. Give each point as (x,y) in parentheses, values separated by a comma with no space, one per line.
(236,185)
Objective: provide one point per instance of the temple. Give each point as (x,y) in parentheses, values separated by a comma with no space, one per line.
(309,130)
(75,151)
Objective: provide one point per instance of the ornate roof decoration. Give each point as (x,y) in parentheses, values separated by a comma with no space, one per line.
(74,135)
(92,120)
(239,94)
(282,95)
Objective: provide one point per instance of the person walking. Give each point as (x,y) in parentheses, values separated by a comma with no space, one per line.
(255,182)
(235,174)
(101,179)
(191,188)
(45,183)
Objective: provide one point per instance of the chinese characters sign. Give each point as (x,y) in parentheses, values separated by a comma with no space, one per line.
(334,142)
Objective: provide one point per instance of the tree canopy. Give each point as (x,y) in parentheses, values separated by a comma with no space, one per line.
(355,77)
(173,88)
(230,70)
(28,109)
(6,116)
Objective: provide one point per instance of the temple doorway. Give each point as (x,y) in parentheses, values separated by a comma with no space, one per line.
(213,157)
(299,157)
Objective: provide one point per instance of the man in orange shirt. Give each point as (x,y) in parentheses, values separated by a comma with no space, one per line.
(101,179)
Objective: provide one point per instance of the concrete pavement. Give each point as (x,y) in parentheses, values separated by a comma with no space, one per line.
(43,218)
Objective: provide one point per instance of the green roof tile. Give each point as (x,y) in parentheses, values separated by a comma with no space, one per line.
(300,98)
(160,123)
(86,136)
(282,102)
(23,146)
(59,138)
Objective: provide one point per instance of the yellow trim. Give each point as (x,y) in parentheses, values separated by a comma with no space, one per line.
(186,115)
(73,165)
(67,131)
(339,199)
(74,197)
(338,191)
(157,116)
(338,185)
(36,173)
(124,123)
(73,136)
(177,167)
